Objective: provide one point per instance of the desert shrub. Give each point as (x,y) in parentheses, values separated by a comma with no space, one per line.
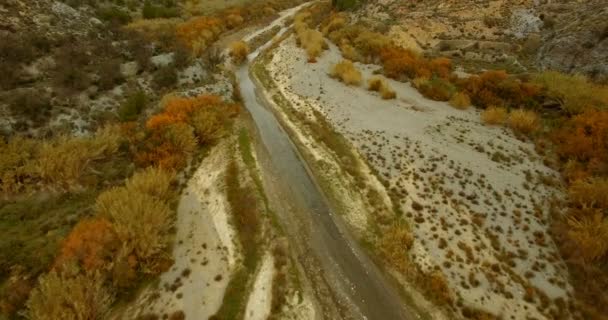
(114,15)
(591,193)
(152,181)
(181,135)
(199,33)
(441,67)
(141,221)
(380,85)
(62,161)
(109,74)
(239,51)
(369,44)
(460,101)
(584,138)
(133,106)
(523,121)
(165,77)
(68,296)
(151,11)
(91,244)
(336,22)
(32,105)
(394,245)
(208,124)
(401,64)
(346,72)
(349,52)
(212,58)
(494,115)
(573,93)
(234,20)
(313,43)
(17,172)
(590,235)
(436,89)
(438,288)
(15,291)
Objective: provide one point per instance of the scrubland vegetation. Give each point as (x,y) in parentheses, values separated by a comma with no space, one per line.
(309,38)
(565,115)
(120,234)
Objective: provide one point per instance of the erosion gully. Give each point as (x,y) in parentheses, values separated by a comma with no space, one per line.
(344,266)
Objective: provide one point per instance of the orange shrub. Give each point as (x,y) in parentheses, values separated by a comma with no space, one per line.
(523,121)
(494,115)
(92,244)
(399,63)
(199,33)
(441,67)
(239,51)
(460,101)
(346,72)
(583,138)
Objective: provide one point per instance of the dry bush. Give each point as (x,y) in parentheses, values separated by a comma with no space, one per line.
(590,234)
(346,72)
(574,93)
(313,43)
(61,162)
(91,244)
(370,44)
(239,51)
(460,101)
(199,33)
(336,22)
(401,64)
(141,221)
(17,170)
(234,20)
(152,181)
(181,135)
(494,115)
(68,296)
(208,124)
(523,121)
(441,67)
(583,138)
(590,193)
(436,88)
(349,52)
(394,245)
(380,85)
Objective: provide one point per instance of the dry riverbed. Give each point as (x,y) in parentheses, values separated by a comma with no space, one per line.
(475,197)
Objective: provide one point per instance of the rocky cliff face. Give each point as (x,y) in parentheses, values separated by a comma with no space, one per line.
(575,38)
(520,36)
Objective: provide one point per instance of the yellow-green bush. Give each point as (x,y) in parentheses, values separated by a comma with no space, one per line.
(574,93)
(460,101)
(141,221)
(380,85)
(239,51)
(523,121)
(494,115)
(152,181)
(182,137)
(69,296)
(208,124)
(346,72)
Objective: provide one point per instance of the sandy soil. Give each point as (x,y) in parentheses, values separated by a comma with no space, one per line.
(204,252)
(473,194)
(258,306)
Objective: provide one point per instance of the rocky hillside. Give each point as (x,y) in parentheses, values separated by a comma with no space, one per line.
(520,36)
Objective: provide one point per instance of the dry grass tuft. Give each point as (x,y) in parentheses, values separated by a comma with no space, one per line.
(346,72)
(494,115)
(380,85)
(239,51)
(573,93)
(460,101)
(523,121)
(590,235)
(590,193)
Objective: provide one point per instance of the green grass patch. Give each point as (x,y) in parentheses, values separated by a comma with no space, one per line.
(32,228)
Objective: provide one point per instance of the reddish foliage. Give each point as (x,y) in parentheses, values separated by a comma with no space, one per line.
(92,244)
(584,138)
